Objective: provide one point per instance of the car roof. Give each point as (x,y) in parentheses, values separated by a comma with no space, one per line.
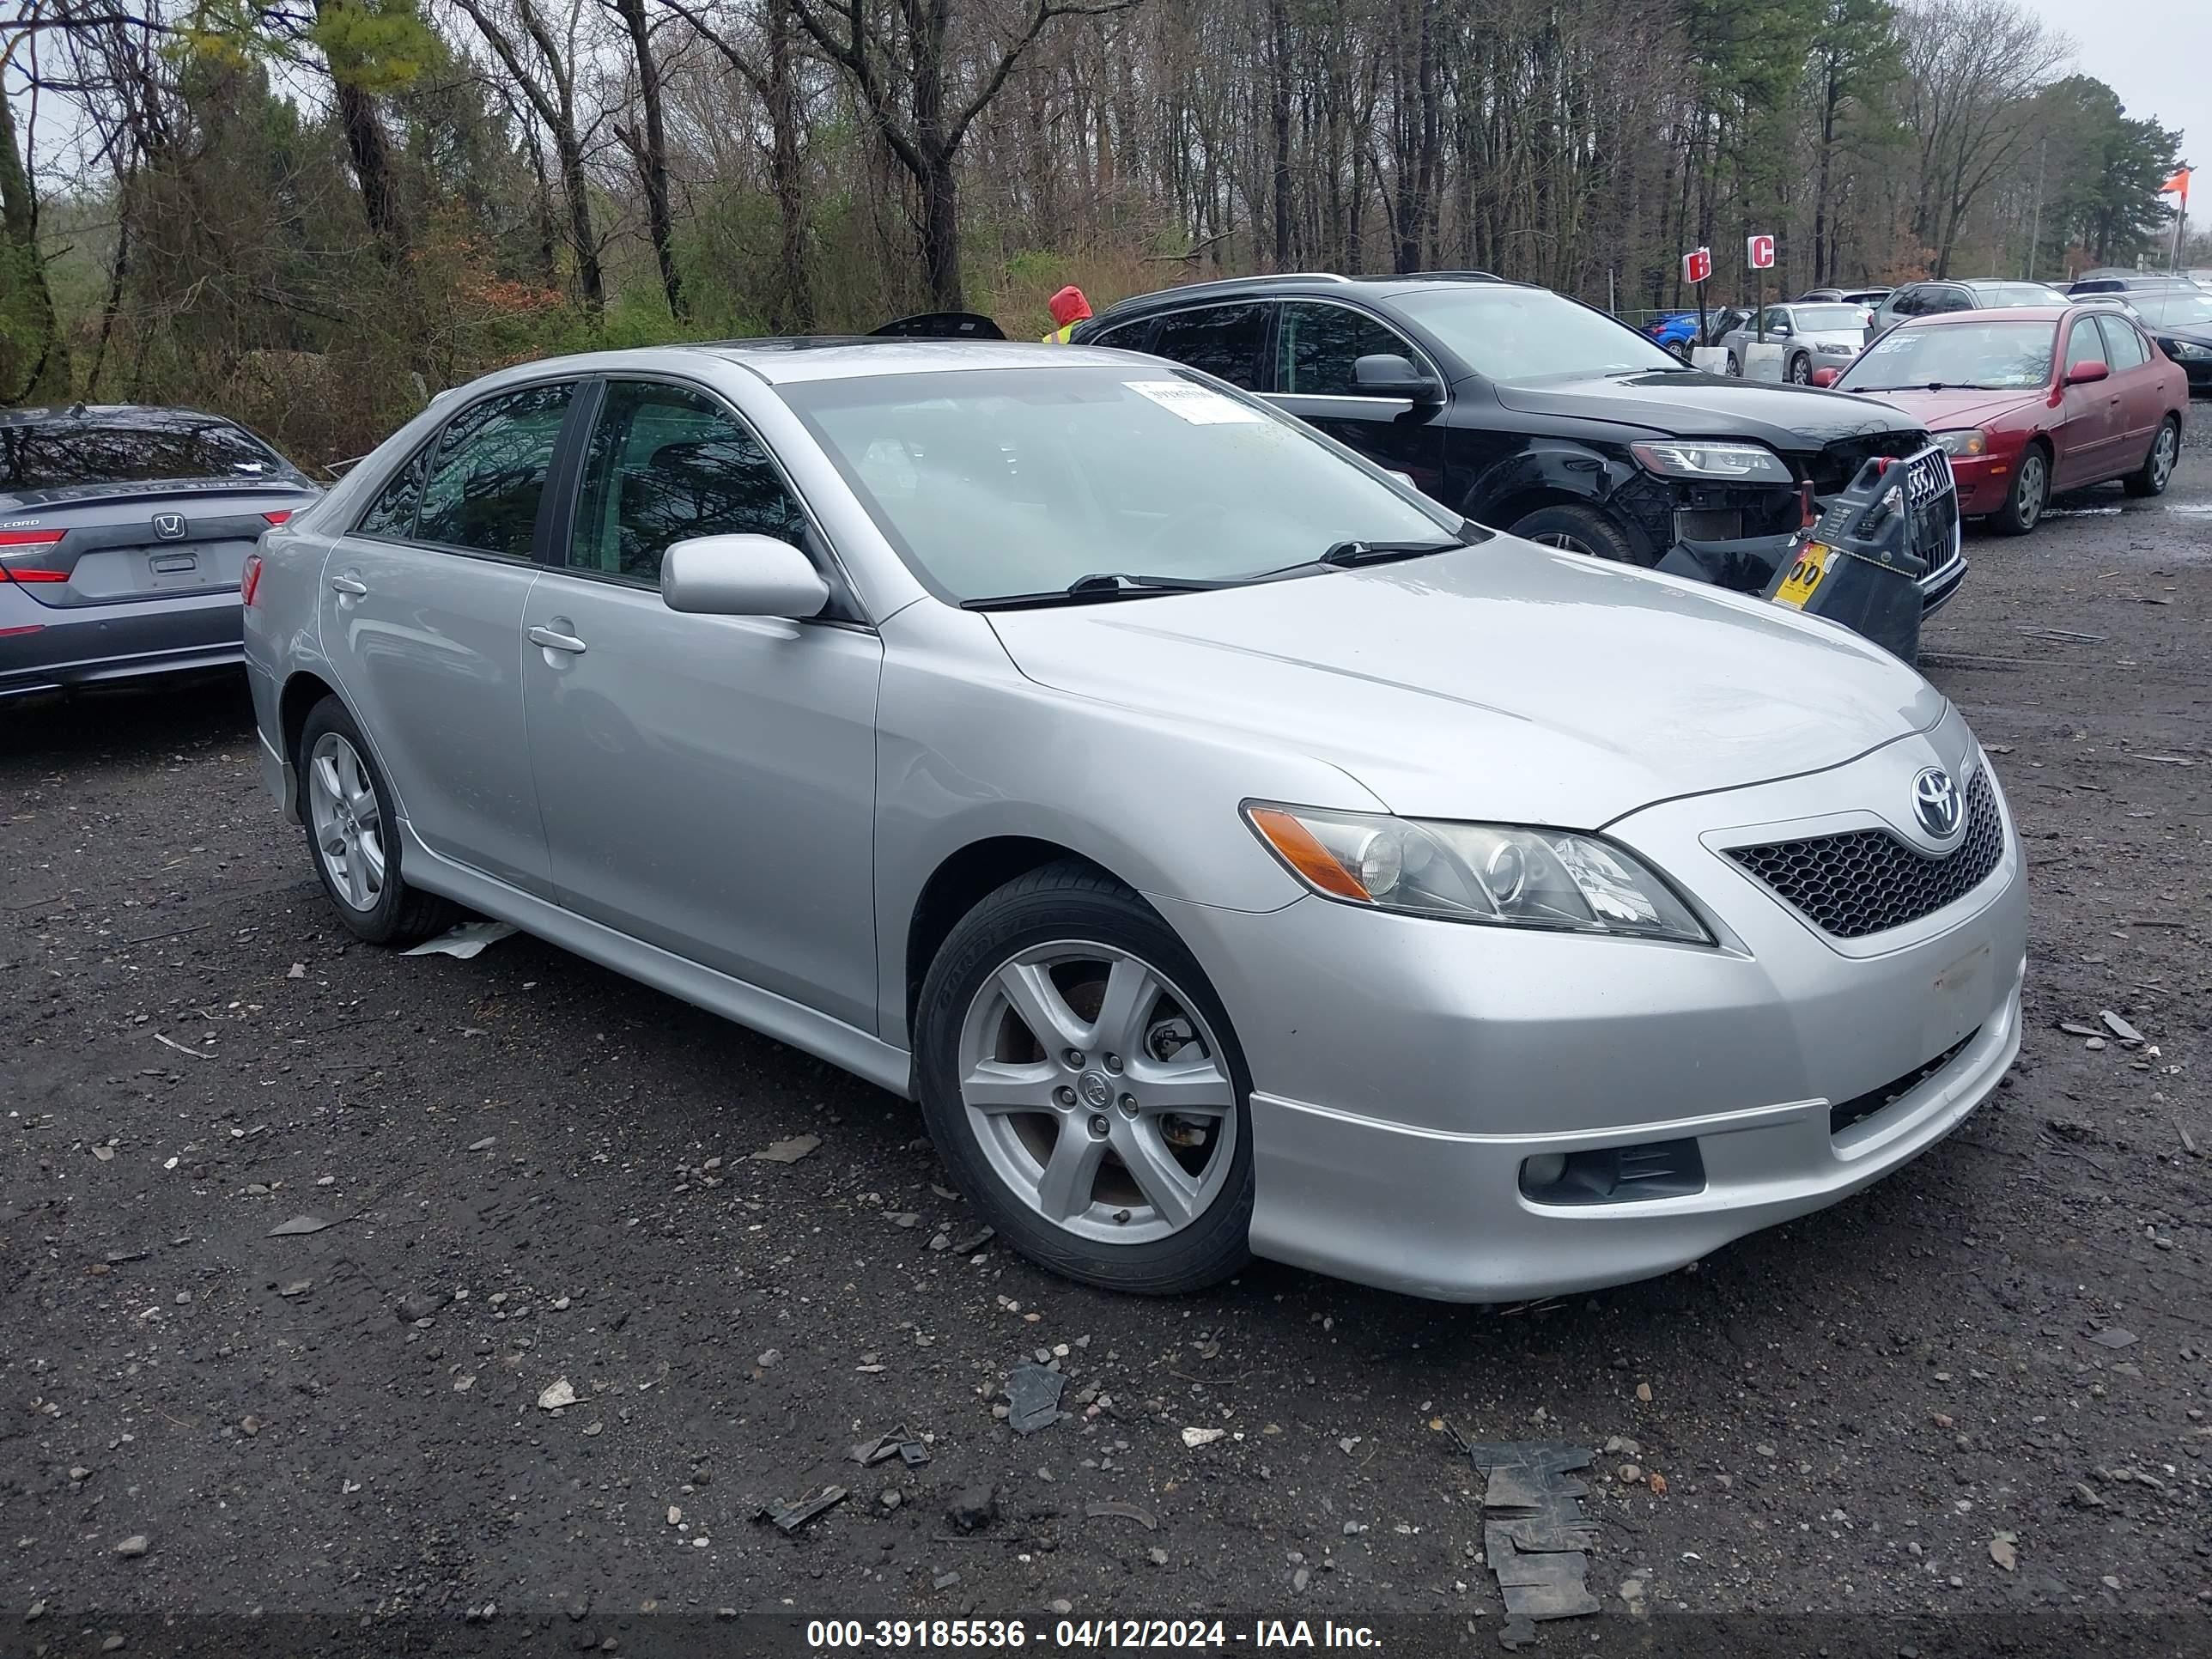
(148,417)
(789,361)
(1303,282)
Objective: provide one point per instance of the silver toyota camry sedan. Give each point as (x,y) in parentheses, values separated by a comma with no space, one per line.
(1232,851)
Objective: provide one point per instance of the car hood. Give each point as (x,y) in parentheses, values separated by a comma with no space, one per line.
(1692,404)
(1959,406)
(1851,338)
(1508,681)
(2194,333)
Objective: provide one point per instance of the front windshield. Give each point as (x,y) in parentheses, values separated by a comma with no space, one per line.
(1992,355)
(1819,318)
(2177,309)
(1531,334)
(994,483)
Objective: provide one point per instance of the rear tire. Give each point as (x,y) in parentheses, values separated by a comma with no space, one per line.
(2151,477)
(1579,529)
(2030,493)
(352,835)
(1067,1149)
(1734,367)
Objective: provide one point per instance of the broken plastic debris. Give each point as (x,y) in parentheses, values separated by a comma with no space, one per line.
(790,1517)
(2113,1337)
(464,942)
(1033,1396)
(1534,1532)
(975,1241)
(296,1225)
(2119,1027)
(1144,1518)
(558,1393)
(788,1152)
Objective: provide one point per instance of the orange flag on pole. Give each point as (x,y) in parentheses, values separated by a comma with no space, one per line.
(2177,185)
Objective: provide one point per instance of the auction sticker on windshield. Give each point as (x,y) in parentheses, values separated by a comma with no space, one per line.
(1200,405)
(1804,575)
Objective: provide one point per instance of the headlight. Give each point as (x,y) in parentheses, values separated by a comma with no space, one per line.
(1733,463)
(1972,441)
(2188,351)
(1481,872)
(1836,349)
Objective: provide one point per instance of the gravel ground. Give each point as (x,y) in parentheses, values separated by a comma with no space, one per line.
(1976,1390)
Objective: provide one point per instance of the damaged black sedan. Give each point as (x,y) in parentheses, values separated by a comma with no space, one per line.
(1549,419)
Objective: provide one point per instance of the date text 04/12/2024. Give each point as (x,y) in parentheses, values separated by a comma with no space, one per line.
(1085,1635)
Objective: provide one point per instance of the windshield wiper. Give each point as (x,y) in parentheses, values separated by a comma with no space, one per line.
(1099,585)
(1356,553)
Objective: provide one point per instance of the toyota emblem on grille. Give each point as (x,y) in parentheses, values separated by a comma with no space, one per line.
(169,526)
(1936,803)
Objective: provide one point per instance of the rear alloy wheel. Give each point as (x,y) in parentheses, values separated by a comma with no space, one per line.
(353,833)
(1080,1080)
(2157,469)
(1735,368)
(1801,371)
(2030,493)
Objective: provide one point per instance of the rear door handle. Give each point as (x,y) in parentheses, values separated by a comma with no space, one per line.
(349,587)
(553,641)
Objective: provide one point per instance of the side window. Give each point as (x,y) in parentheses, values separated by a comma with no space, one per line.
(1908,302)
(2083,344)
(1317,346)
(390,516)
(2123,346)
(667,464)
(1777,320)
(1129,337)
(488,472)
(1222,340)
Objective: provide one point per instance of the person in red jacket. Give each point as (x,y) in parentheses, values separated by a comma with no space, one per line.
(1068,309)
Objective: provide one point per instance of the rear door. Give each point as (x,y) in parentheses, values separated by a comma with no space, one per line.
(707,782)
(422,615)
(1318,345)
(1225,340)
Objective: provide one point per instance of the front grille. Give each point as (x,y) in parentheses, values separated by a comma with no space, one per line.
(1867,881)
(1846,1113)
(1837,464)
(1932,499)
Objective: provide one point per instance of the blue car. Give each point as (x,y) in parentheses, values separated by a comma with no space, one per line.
(1677,331)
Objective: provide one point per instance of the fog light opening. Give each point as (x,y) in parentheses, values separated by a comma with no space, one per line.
(1614,1174)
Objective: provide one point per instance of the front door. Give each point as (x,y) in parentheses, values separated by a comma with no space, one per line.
(1318,344)
(2090,434)
(422,621)
(707,782)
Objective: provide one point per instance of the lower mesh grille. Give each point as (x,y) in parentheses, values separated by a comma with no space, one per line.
(1845,1114)
(1867,881)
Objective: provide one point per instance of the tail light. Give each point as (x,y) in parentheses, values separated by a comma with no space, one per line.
(1811,515)
(283,515)
(249,579)
(11,539)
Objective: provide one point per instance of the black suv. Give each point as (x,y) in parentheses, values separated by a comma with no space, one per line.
(1531,412)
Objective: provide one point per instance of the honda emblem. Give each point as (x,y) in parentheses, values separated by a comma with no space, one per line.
(169,526)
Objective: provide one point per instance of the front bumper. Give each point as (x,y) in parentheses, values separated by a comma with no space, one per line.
(1984,483)
(1405,1070)
(48,647)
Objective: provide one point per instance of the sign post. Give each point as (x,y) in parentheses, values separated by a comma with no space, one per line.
(1696,267)
(1759,251)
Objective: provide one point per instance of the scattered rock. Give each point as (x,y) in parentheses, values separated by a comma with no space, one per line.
(486,1145)
(1194,1438)
(2094,1044)
(1644,1393)
(419,1304)
(2119,1027)
(788,1152)
(298,1226)
(297,1287)
(2087,1497)
(134,1545)
(557,1394)
(2112,1337)
(1158,1558)
(2002,1550)
(974,1508)
(1630,1474)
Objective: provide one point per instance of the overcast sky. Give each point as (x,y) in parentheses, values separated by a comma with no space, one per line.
(2157,55)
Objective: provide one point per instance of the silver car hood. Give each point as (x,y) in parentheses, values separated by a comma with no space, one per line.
(1507,682)
(1852,338)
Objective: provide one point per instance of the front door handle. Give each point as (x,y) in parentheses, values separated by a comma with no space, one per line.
(352,588)
(553,641)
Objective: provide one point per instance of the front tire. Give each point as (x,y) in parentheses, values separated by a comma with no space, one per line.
(1082,1084)
(1734,366)
(2151,477)
(2030,493)
(1801,371)
(353,833)
(1578,529)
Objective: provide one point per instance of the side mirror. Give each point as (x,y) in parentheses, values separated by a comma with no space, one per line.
(1387,374)
(741,576)
(2088,374)
(1824,377)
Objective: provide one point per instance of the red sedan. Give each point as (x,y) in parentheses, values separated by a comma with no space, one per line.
(2031,401)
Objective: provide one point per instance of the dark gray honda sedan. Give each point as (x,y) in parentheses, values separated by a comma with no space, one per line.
(123,532)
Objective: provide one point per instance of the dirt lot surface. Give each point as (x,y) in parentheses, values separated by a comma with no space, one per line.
(1977,1390)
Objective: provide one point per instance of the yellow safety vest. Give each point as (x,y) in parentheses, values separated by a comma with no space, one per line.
(1059,336)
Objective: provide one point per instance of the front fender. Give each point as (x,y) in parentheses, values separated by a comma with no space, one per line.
(1560,467)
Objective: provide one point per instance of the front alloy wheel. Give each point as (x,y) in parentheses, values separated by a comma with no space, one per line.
(1080,1081)
(1095,1091)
